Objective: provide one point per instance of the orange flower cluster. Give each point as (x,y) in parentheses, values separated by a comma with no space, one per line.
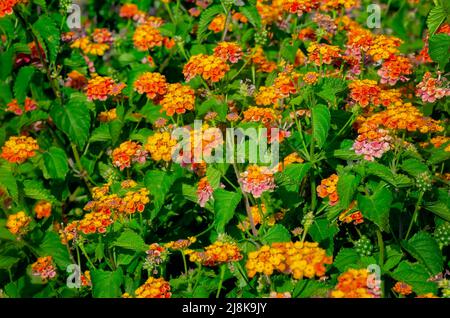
(152,84)
(43,209)
(438,141)
(181,244)
(290,159)
(351,215)
(431,89)
(299,259)
(300,7)
(210,67)
(134,201)
(216,254)
(286,82)
(320,53)
(352,284)
(108,115)
(383,47)
(102,36)
(86,279)
(402,288)
(69,233)
(328,188)
(18,223)
(161,146)
(179,99)
(270,11)
(94,222)
(14,106)
(44,268)
(267,96)
(76,80)
(99,88)
(18,149)
(228,52)
(266,116)
(127,153)
(256,215)
(365,92)
(260,60)
(256,180)
(6,7)
(395,69)
(146,37)
(131,11)
(218,24)
(153,288)
(401,116)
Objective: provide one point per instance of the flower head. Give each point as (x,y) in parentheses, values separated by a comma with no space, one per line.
(161,146)
(18,223)
(152,84)
(228,52)
(210,67)
(43,209)
(19,149)
(146,37)
(352,284)
(44,268)
(154,288)
(328,188)
(127,153)
(178,99)
(256,180)
(216,254)
(100,88)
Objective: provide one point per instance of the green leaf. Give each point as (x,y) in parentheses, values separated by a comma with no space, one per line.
(205,18)
(55,161)
(73,119)
(21,84)
(376,207)
(423,247)
(346,188)
(101,133)
(277,233)
(36,190)
(321,120)
(159,183)
(48,32)
(9,182)
(322,230)
(52,246)
(393,257)
(414,167)
(131,240)
(7,262)
(292,175)
(441,207)
(439,45)
(106,284)
(416,275)
(383,172)
(436,16)
(252,14)
(225,203)
(6,63)
(306,288)
(213,175)
(345,259)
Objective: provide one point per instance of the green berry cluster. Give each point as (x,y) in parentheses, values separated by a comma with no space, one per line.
(442,234)
(261,37)
(423,181)
(363,246)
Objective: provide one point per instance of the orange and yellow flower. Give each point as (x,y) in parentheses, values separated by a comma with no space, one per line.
(100,88)
(216,254)
(152,84)
(18,149)
(352,284)
(18,223)
(44,268)
(178,99)
(146,37)
(210,67)
(161,146)
(328,188)
(127,153)
(43,209)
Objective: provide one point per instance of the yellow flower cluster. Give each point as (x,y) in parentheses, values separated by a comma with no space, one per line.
(108,115)
(18,223)
(320,53)
(152,84)
(266,116)
(383,46)
(153,288)
(300,259)
(146,37)
(89,47)
(18,149)
(43,209)
(181,244)
(216,254)
(179,99)
(134,201)
(210,67)
(161,146)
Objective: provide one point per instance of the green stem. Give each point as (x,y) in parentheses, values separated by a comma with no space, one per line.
(415,214)
(222,275)
(381,247)
(87,256)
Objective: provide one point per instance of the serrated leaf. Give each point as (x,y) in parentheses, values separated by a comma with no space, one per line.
(345,259)
(101,133)
(292,175)
(321,120)
(416,275)
(277,233)
(52,246)
(376,207)
(205,18)
(6,262)
(21,83)
(252,14)
(131,240)
(225,203)
(9,182)
(56,164)
(423,247)
(106,284)
(383,172)
(73,119)
(439,45)
(436,16)
(49,33)
(346,188)
(414,167)
(36,190)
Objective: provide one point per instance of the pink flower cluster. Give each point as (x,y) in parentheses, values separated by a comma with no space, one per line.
(256,180)
(395,69)
(204,192)
(372,148)
(432,89)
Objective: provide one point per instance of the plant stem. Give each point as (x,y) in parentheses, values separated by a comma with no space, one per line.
(415,214)
(222,275)
(86,255)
